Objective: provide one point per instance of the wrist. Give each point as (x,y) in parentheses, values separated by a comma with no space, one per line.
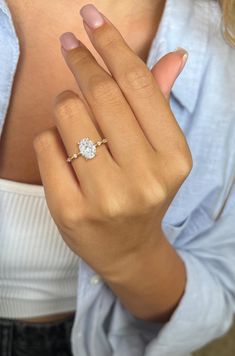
(151,284)
(123,271)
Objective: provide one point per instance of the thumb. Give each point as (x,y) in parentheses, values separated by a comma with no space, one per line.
(168,68)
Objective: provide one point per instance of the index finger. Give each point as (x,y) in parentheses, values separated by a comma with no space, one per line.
(135,80)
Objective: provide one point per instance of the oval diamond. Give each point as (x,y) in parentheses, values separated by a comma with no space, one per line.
(87,148)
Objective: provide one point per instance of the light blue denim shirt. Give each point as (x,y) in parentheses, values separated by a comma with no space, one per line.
(200,222)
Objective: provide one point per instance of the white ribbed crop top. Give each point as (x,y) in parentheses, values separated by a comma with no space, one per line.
(38,272)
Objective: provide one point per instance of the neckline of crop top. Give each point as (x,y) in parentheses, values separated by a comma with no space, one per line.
(21,188)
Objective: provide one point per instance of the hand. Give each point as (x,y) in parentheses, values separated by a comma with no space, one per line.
(110,208)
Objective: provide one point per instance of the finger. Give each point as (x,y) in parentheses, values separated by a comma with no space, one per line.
(61,186)
(168,68)
(136,81)
(109,106)
(74,124)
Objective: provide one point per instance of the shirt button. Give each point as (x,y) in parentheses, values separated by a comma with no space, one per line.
(95,279)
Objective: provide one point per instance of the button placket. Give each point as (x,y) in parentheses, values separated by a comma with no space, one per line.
(95,279)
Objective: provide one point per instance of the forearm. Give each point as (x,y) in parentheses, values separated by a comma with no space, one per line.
(151,284)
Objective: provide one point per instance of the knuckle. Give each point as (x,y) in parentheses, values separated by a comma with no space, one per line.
(67,103)
(79,57)
(114,205)
(184,164)
(139,79)
(154,194)
(139,201)
(100,87)
(43,140)
(107,37)
(68,218)
(181,157)
(111,209)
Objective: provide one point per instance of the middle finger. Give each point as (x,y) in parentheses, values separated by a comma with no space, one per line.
(114,115)
(135,80)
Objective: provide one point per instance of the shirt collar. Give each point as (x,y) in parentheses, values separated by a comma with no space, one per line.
(187,24)
(4,7)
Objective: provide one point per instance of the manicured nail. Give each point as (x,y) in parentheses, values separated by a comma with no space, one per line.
(184,60)
(69,41)
(92,16)
(184,56)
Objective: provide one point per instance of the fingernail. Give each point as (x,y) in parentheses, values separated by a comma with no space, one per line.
(69,41)
(92,16)
(184,60)
(184,56)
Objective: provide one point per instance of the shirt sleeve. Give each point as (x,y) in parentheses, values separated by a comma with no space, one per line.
(206,308)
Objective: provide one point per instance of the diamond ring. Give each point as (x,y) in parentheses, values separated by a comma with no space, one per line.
(87,148)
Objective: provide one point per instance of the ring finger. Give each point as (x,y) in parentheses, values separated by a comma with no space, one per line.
(74,124)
